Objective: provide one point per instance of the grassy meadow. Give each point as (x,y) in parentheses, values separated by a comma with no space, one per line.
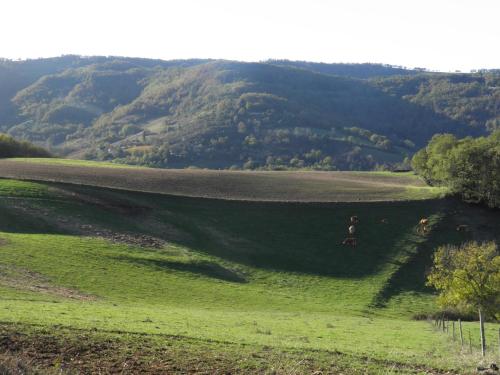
(227,286)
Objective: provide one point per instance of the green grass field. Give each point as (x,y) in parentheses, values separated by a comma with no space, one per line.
(234,286)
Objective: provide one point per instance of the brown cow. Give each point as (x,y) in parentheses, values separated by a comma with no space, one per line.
(350,240)
(423,223)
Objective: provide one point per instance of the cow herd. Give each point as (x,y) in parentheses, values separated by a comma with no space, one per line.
(422,228)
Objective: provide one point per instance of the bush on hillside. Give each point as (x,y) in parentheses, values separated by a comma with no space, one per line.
(9,148)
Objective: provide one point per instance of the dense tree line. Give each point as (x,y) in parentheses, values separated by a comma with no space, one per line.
(9,147)
(469,166)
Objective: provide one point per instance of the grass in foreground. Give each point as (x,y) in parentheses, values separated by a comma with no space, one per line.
(238,277)
(93,352)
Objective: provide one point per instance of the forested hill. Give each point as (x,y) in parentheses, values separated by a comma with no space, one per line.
(364,71)
(223,114)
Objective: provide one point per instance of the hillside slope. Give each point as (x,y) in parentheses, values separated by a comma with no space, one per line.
(473,99)
(222,114)
(194,278)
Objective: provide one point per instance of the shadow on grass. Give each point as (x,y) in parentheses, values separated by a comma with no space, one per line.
(293,237)
(201,268)
(303,238)
(17,220)
(412,274)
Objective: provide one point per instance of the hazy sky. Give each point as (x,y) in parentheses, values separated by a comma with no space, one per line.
(436,34)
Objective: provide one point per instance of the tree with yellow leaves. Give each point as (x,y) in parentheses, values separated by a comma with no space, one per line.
(468,278)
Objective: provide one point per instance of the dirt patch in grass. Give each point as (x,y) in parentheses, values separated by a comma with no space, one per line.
(22,279)
(3,242)
(78,225)
(133,239)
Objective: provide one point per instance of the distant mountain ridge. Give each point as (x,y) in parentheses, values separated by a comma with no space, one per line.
(222,114)
(359,70)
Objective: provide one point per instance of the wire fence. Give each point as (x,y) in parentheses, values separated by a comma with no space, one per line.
(468,337)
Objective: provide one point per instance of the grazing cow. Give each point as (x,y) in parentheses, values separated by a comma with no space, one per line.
(354,220)
(423,223)
(462,228)
(384,221)
(350,240)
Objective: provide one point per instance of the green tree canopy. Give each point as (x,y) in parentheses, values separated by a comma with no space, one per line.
(469,166)
(468,277)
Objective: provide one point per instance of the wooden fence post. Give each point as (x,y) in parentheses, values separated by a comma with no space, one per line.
(470,342)
(481,328)
(498,341)
(453,327)
(461,333)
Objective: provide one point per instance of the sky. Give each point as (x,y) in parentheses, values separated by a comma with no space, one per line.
(444,35)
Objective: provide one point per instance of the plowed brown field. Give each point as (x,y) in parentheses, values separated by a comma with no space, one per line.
(235,185)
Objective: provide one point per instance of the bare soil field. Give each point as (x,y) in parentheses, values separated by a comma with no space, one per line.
(284,186)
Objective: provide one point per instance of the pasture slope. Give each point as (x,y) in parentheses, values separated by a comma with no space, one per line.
(95,279)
